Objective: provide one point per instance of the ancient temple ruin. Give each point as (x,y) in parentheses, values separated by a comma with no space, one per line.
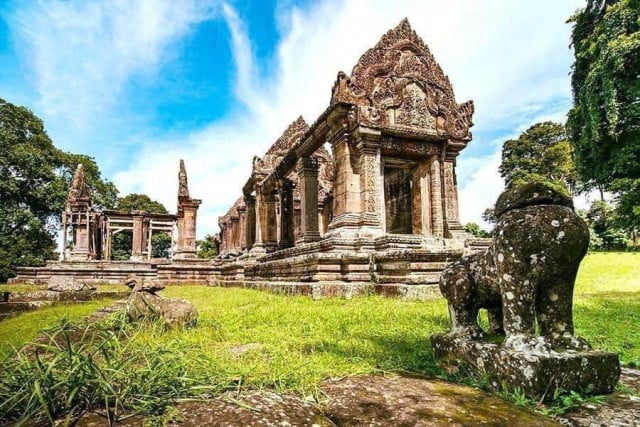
(364,197)
(382,208)
(92,229)
(87,241)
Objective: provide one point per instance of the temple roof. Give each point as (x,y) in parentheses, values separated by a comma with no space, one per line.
(398,83)
(289,137)
(287,141)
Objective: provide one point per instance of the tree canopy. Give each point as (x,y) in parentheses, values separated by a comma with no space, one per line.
(34,177)
(140,202)
(541,153)
(604,124)
(208,247)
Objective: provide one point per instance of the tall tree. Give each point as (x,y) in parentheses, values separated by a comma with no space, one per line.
(33,184)
(541,153)
(604,124)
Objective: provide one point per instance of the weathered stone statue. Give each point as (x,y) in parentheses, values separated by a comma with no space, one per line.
(524,279)
(145,305)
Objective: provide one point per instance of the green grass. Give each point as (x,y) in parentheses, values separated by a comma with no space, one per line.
(23,328)
(297,342)
(609,272)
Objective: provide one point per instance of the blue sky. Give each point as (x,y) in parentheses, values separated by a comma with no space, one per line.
(140,84)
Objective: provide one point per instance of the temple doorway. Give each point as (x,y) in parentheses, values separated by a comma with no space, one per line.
(398,195)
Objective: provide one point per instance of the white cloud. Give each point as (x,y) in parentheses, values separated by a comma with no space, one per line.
(84,53)
(511,58)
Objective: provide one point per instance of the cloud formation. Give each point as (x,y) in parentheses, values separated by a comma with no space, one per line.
(511,58)
(84,54)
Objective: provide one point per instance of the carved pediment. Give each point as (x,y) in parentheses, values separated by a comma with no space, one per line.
(277,151)
(290,137)
(398,83)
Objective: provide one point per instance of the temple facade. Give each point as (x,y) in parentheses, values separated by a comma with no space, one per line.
(382,206)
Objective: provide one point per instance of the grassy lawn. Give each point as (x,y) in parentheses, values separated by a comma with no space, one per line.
(23,328)
(252,339)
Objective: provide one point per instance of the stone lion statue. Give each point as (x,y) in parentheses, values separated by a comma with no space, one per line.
(526,276)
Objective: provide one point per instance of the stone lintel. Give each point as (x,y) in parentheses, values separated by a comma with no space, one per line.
(538,375)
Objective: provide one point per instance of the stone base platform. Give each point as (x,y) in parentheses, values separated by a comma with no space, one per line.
(113,272)
(337,289)
(401,259)
(184,271)
(537,374)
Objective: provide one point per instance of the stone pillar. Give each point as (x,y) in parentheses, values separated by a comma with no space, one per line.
(235,233)
(242,230)
(250,228)
(64,236)
(437,217)
(307,168)
(271,242)
(228,236)
(346,186)
(223,235)
(137,240)
(286,213)
(187,213)
(371,187)
(187,233)
(261,220)
(80,236)
(450,193)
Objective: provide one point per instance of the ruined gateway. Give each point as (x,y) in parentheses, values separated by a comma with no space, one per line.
(378,211)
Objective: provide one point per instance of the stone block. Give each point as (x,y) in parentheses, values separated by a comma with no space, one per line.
(537,374)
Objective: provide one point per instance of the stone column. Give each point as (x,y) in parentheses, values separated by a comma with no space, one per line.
(370,180)
(258,245)
(242,230)
(187,233)
(346,185)
(286,213)
(64,236)
(450,192)
(437,217)
(307,168)
(250,228)
(137,240)
(235,233)
(271,242)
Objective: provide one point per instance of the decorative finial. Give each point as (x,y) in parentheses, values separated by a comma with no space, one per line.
(79,191)
(183,187)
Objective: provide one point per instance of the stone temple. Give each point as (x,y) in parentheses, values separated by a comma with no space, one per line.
(363,198)
(382,208)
